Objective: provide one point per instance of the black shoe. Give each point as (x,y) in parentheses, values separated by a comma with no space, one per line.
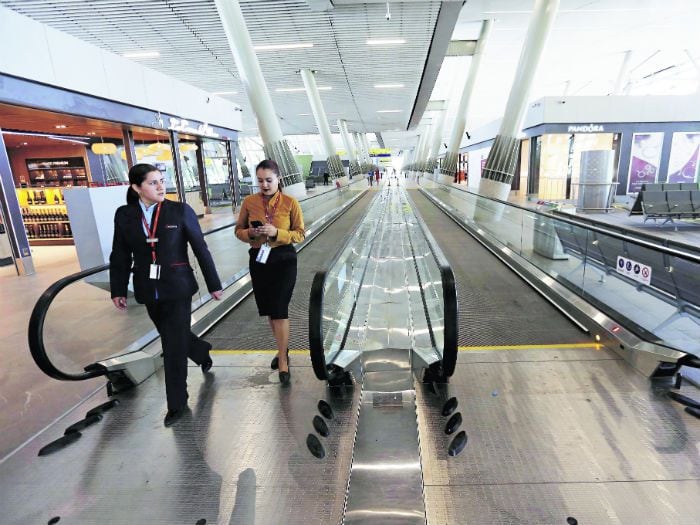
(275,363)
(206,365)
(284,378)
(173,416)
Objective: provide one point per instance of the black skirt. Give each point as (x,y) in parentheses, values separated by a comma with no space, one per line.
(273,282)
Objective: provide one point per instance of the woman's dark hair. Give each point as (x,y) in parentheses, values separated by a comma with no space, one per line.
(137,174)
(268,164)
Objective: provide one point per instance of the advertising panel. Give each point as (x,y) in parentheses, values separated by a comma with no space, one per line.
(646,157)
(683,162)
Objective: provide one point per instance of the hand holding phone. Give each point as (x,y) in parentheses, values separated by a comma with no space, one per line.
(256,224)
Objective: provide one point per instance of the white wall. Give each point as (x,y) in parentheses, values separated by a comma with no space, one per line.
(35,51)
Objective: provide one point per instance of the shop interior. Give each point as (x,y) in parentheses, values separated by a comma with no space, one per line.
(50,153)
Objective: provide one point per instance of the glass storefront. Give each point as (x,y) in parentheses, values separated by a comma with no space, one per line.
(50,153)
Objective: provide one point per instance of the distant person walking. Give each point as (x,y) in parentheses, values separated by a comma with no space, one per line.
(325,178)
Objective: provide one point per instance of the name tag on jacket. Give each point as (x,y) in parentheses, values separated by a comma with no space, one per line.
(171,226)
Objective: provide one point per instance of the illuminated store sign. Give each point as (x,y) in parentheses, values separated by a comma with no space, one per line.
(586,128)
(183,126)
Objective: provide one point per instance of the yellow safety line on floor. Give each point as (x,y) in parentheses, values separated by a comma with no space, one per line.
(253,351)
(596,346)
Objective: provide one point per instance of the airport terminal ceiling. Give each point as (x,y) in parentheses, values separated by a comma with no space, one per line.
(584,55)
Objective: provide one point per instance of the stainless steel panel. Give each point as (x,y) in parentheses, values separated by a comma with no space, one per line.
(386,484)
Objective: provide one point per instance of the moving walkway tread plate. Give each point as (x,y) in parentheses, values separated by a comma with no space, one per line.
(240,453)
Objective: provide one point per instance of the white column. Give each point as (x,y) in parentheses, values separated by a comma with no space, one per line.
(449,166)
(622,74)
(501,163)
(335,166)
(354,168)
(254,85)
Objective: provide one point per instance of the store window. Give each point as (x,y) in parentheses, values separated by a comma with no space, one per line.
(683,163)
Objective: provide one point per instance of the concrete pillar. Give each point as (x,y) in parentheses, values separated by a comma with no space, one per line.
(697,69)
(449,163)
(435,146)
(274,144)
(622,74)
(350,148)
(501,163)
(361,153)
(335,166)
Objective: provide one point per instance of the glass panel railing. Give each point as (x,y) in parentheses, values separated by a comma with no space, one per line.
(336,292)
(438,291)
(334,295)
(110,333)
(651,289)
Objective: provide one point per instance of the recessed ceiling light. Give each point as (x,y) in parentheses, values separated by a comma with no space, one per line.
(275,47)
(385,41)
(298,89)
(389,110)
(142,54)
(61,126)
(25,143)
(304,114)
(91,133)
(388,86)
(225,93)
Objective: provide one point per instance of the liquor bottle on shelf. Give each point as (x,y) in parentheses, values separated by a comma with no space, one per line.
(30,197)
(67,231)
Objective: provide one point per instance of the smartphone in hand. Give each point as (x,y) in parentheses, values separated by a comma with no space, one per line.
(256,224)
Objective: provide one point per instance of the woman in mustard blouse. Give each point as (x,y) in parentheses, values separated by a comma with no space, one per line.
(271,223)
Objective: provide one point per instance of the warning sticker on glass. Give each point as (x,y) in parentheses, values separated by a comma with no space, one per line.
(634,270)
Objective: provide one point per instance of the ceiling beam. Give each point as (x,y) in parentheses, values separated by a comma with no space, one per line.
(442,34)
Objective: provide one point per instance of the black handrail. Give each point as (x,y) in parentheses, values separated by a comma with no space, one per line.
(641,242)
(36,328)
(316,350)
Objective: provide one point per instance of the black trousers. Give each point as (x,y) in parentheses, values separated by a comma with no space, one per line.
(172,319)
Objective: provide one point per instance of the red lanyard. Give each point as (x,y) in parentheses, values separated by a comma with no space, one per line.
(269,215)
(152,231)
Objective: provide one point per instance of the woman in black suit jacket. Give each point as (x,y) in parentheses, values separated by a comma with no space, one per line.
(150,239)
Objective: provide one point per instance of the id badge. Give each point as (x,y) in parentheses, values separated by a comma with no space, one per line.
(263,254)
(154,272)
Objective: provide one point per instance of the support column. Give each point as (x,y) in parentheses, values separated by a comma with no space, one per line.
(449,163)
(177,164)
(435,146)
(354,168)
(335,165)
(363,156)
(129,148)
(11,212)
(234,153)
(622,74)
(203,183)
(501,163)
(274,144)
